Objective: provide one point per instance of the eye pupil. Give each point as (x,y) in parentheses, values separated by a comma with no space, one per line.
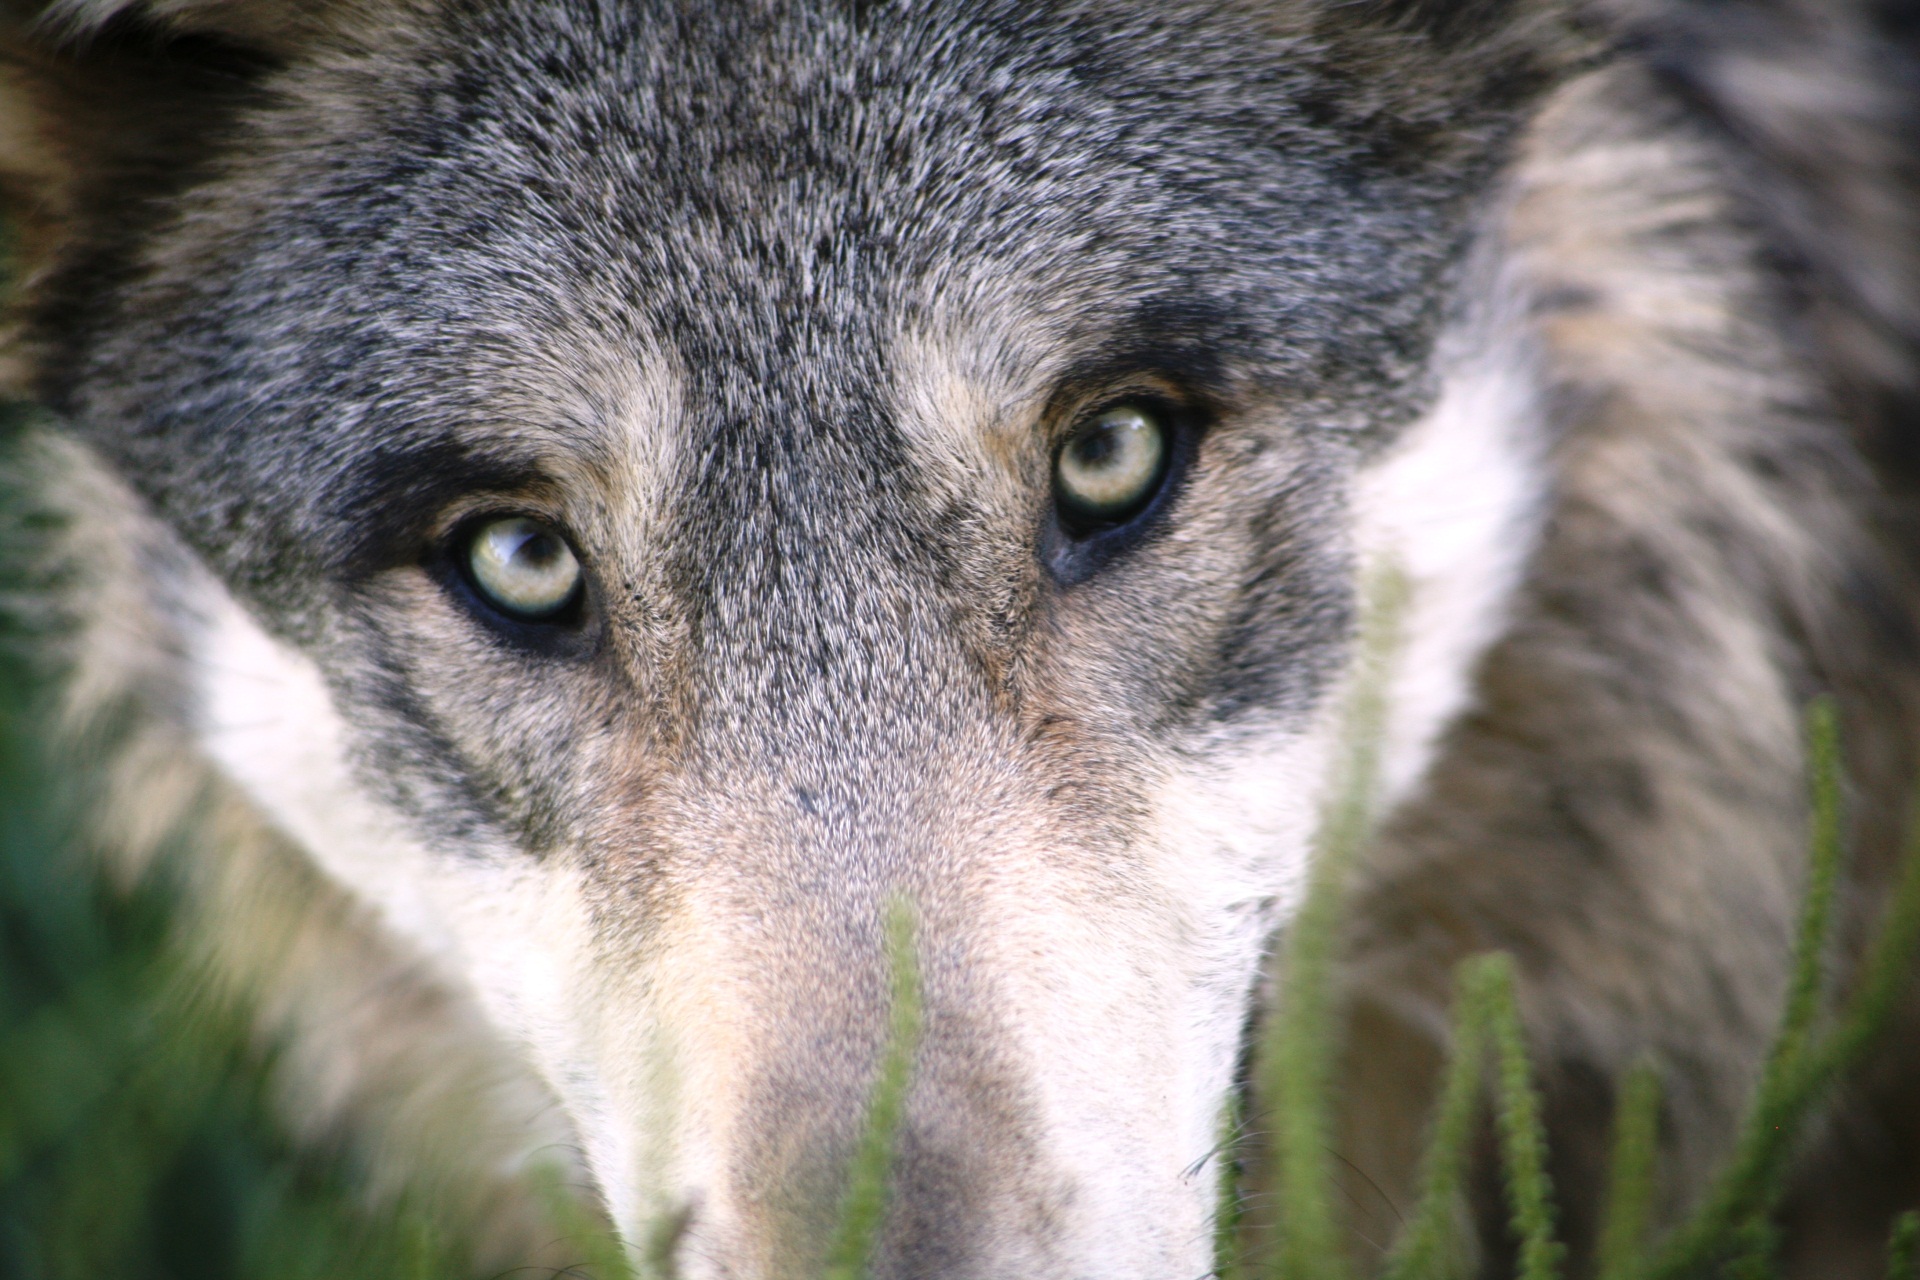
(523,568)
(1110,470)
(540,550)
(1097,447)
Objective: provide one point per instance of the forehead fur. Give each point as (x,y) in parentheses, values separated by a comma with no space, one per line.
(769,194)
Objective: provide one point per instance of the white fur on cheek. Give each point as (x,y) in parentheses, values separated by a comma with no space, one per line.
(509,929)
(266,718)
(1237,835)
(1456,504)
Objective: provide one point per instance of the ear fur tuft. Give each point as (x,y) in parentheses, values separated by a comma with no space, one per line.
(109,107)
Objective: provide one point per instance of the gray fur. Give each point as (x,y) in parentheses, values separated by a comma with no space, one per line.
(313,283)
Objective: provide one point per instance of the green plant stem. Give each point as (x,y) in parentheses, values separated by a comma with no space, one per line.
(1798,1073)
(1301,1044)
(1827,852)
(1888,971)
(1486,1018)
(1523,1135)
(1636,1134)
(1747,1186)
(1430,1247)
(864,1207)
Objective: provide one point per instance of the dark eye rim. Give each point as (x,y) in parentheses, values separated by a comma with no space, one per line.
(1075,546)
(567,631)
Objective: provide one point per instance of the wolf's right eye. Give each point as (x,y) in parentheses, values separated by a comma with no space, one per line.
(523,568)
(1110,469)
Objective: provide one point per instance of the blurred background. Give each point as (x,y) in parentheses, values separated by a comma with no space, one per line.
(137,1136)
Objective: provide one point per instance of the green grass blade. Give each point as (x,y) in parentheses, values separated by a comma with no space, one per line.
(1903,1248)
(1523,1135)
(1486,1018)
(1827,853)
(1301,1044)
(1749,1183)
(1887,973)
(1430,1247)
(864,1209)
(1630,1182)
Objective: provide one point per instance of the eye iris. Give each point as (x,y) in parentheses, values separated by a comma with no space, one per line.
(1111,467)
(523,567)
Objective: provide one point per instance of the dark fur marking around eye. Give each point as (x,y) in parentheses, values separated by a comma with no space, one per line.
(1074,549)
(391,502)
(391,511)
(1169,358)
(570,632)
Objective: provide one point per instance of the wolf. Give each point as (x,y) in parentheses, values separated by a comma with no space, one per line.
(578,506)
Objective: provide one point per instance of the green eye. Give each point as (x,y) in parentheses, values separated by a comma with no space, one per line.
(523,568)
(1111,467)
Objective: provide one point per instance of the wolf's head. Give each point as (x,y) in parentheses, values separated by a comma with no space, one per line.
(665,480)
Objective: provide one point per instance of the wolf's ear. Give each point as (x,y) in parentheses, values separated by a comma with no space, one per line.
(109,106)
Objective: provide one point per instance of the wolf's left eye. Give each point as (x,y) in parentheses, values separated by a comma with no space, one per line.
(1111,468)
(523,568)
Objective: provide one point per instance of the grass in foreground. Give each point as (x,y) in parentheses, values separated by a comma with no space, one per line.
(1730,1233)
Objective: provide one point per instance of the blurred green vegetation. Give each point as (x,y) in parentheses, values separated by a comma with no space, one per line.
(137,1140)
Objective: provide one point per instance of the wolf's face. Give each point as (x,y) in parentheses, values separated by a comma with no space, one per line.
(675,480)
